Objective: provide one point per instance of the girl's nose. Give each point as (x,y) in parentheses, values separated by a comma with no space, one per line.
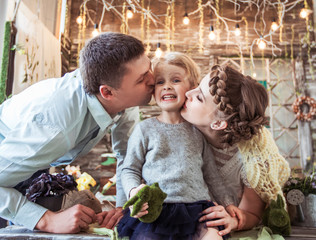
(167,86)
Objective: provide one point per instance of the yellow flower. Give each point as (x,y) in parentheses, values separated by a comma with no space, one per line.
(85,181)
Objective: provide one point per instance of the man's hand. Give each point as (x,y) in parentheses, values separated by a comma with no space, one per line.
(71,220)
(109,219)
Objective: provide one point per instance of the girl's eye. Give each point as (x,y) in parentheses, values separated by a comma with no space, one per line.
(159,82)
(176,80)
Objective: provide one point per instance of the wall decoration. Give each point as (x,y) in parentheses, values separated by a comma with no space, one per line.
(38,51)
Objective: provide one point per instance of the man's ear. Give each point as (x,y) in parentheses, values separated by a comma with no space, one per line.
(106,92)
(218,125)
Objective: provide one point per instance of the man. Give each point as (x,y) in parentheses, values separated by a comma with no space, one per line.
(54,121)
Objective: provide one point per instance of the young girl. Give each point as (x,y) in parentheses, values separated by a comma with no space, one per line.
(229,109)
(168,150)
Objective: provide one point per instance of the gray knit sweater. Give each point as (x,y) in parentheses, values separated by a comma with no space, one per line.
(177,157)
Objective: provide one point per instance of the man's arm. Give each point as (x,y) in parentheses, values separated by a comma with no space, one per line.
(23,152)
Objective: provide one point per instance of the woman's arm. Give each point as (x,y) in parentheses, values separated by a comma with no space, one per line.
(252,209)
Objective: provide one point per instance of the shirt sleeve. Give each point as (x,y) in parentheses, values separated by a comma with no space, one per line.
(213,179)
(120,134)
(134,161)
(29,147)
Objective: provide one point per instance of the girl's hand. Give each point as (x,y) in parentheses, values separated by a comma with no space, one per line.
(216,216)
(236,212)
(144,208)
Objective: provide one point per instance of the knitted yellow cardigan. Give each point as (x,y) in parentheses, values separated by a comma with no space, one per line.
(266,169)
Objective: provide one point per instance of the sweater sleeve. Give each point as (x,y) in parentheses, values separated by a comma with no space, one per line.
(131,174)
(213,179)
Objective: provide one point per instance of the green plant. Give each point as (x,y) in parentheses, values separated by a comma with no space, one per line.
(306,185)
(5,61)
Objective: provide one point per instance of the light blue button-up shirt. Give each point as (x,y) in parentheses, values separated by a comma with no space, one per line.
(48,124)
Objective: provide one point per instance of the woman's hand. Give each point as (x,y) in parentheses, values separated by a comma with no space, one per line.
(236,212)
(144,208)
(216,216)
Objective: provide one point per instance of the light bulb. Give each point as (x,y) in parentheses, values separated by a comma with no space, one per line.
(186,19)
(95,31)
(79,20)
(303,13)
(158,52)
(254,75)
(237,30)
(129,13)
(211,35)
(274,26)
(261,44)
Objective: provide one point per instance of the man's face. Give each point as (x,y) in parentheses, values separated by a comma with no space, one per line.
(137,84)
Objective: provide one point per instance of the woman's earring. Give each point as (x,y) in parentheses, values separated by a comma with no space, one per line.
(218,125)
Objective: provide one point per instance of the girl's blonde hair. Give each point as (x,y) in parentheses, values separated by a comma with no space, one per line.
(181,60)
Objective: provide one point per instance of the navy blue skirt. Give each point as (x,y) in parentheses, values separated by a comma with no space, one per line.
(177,221)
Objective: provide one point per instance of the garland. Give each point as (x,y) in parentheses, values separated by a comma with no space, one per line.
(201,30)
(298,111)
(5,61)
(124,19)
(148,31)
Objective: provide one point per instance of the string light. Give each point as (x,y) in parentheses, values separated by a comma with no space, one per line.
(129,13)
(274,25)
(95,31)
(79,20)
(158,52)
(261,43)
(211,35)
(186,19)
(254,75)
(237,30)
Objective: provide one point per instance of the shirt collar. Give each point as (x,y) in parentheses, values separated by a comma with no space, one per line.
(99,114)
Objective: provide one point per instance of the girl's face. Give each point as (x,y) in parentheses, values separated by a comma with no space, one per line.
(171,84)
(199,108)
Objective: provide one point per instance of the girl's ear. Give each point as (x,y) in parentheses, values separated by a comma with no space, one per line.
(218,125)
(106,92)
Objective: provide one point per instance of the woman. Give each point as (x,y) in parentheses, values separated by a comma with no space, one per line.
(229,109)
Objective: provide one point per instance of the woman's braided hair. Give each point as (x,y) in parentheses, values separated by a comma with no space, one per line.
(242,100)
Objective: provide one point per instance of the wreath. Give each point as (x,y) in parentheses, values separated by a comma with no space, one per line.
(311,102)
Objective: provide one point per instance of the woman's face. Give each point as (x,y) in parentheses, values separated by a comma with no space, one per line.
(199,108)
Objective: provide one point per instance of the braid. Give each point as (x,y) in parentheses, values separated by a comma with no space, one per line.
(245,115)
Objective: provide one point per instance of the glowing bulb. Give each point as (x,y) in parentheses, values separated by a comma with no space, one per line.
(274,26)
(261,44)
(186,19)
(254,75)
(237,30)
(129,13)
(95,31)
(79,20)
(158,52)
(211,35)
